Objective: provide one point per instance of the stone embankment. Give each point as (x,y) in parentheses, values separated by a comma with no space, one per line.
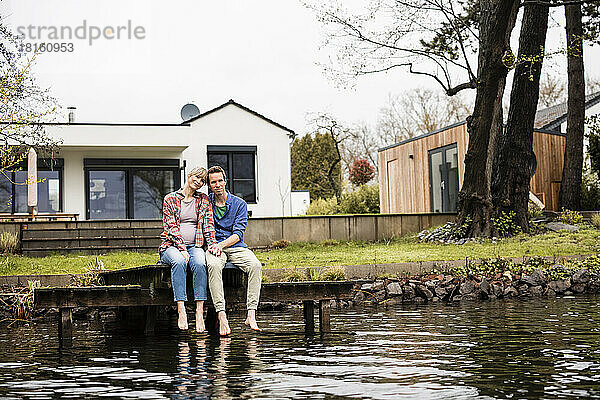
(556,281)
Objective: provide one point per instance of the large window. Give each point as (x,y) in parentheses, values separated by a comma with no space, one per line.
(239,164)
(131,188)
(13,188)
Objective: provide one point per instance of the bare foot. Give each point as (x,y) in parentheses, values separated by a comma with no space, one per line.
(224,329)
(182,316)
(182,322)
(251,321)
(200,323)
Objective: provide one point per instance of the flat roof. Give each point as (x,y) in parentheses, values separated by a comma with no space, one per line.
(454,126)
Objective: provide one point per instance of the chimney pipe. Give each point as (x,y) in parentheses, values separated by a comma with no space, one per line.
(71,111)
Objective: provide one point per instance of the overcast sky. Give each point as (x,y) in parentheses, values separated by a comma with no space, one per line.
(261,53)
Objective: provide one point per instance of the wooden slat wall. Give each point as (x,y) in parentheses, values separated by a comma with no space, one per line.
(549,150)
(406,189)
(404,182)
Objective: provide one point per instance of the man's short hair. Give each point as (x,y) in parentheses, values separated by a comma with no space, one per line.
(198,171)
(215,169)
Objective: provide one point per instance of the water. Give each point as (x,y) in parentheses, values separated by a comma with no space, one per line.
(502,349)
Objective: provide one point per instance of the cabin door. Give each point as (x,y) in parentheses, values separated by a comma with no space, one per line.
(443,178)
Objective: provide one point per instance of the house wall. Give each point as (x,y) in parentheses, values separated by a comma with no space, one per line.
(404,182)
(234,126)
(229,125)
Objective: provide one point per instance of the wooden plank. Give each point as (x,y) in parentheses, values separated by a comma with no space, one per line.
(65,324)
(110,296)
(151,316)
(324,316)
(309,317)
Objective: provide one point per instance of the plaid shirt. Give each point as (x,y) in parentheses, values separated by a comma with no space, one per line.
(171,235)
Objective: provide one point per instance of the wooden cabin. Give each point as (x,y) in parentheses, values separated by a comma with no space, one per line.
(425,173)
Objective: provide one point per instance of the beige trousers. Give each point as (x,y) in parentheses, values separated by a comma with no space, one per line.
(243,258)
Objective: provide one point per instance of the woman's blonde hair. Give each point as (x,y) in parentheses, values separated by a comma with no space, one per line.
(198,171)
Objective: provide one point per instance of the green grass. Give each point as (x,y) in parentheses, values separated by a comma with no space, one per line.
(406,249)
(71,264)
(330,253)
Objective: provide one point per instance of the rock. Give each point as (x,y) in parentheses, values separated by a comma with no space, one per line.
(536,290)
(367,286)
(423,292)
(523,289)
(559,226)
(435,299)
(408,292)
(537,278)
(394,289)
(359,297)
(470,296)
(568,293)
(497,290)
(419,300)
(380,295)
(550,293)
(484,286)
(510,291)
(392,301)
(560,286)
(447,280)
(581,276)
(430,285)
(467,287)
(578,288)
(377,286)
(457,298)
(440,292)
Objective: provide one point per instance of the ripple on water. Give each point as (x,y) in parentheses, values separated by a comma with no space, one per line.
(497,349)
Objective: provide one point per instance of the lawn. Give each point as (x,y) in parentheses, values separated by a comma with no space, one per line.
(584,241)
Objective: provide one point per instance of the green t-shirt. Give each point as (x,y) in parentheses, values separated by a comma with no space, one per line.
(220,211)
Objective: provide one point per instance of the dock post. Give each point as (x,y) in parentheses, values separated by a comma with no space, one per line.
(324,313)
(151,315)
(65,324)
(309,317)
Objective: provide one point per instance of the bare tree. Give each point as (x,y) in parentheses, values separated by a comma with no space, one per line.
(552,91)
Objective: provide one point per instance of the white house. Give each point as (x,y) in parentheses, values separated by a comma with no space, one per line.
(123,171)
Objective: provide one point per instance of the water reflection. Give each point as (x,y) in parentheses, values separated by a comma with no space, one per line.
(521,349)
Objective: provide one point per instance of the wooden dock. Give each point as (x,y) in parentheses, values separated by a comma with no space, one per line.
(149,287)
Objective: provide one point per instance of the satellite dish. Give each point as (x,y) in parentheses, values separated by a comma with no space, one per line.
(189,111)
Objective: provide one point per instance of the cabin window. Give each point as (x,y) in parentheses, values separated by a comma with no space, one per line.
(443,178)
(239,163)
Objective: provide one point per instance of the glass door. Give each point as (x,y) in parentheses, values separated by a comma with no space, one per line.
(443,178)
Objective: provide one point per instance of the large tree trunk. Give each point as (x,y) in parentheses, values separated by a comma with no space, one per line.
(511,178)
(474,200)
(570,189)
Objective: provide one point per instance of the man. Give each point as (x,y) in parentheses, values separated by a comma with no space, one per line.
(230,218)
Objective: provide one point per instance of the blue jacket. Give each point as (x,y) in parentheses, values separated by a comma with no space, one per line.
(234,220)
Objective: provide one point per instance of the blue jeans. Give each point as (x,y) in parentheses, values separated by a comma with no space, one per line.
(172,256)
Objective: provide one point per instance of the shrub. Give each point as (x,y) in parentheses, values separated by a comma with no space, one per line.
(570,217)
(590,191)
(596,220)
(505,224)
(334,274)
(533,211)
(322,207)
(314,274)
(365,200)
(361,172)
(9,242)
(292,275)
(280,244)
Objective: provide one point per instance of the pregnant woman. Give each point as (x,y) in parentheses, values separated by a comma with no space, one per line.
(188,225)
